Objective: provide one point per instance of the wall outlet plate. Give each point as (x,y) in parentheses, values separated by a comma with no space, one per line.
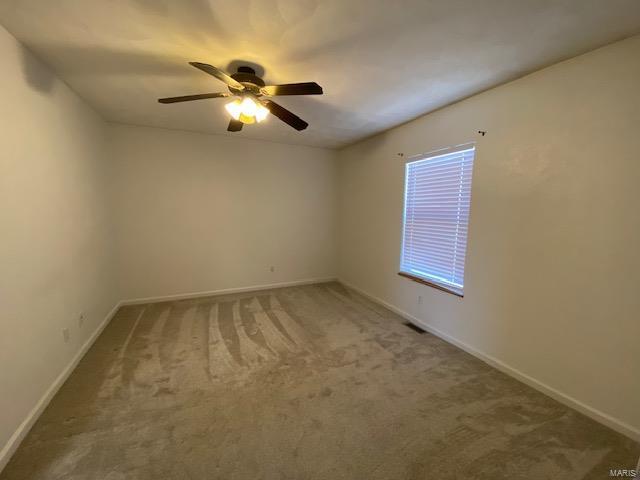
(66,335)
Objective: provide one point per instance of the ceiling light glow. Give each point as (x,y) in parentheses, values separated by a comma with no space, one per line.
(247,110)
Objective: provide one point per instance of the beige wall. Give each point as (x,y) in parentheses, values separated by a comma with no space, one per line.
(55,243)
(206,212)
(553,265)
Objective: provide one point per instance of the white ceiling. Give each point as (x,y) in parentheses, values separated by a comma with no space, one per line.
(381,62)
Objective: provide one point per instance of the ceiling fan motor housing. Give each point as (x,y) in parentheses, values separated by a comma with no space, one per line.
(247,76)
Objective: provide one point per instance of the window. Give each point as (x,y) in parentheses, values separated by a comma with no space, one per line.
(436,215)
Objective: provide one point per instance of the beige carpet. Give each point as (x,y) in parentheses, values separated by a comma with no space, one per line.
(310,382)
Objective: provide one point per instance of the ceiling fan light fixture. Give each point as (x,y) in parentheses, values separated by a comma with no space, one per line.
(246,110)
(249,107)
(261,113)
(234,109)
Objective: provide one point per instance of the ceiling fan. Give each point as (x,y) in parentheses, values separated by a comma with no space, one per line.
(250,106)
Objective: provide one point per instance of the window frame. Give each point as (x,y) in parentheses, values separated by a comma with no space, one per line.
(432,282)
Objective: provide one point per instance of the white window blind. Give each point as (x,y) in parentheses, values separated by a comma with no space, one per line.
(436,216)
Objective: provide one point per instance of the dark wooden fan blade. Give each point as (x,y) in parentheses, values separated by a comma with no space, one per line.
(234,125)
(306,88)
(219,74)
(285,115)
(188,98)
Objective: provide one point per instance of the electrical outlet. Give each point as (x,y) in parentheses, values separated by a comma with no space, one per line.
(81,320)
(65,334)
(419,299)
(272,269)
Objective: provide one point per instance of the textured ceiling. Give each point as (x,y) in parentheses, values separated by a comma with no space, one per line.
(381,63)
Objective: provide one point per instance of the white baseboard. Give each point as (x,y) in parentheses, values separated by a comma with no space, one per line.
(252,288)
(14,442)
(597,415)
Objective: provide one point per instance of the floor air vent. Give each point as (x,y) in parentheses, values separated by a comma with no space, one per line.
(413,327)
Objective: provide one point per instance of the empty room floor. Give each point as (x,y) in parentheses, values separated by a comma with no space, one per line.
(309,382)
